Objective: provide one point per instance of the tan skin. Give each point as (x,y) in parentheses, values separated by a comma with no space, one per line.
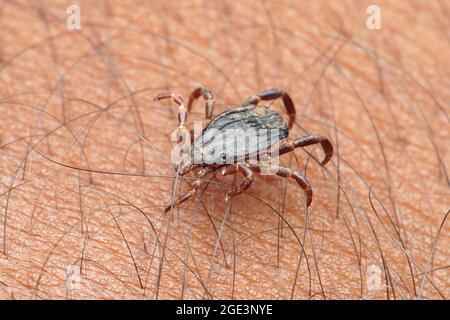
(85,152)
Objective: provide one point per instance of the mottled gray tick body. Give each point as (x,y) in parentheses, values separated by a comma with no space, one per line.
(238,134)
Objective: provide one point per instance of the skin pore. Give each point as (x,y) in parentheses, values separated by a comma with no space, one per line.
(85,151)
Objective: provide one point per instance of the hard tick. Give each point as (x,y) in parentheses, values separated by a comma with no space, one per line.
(248,116)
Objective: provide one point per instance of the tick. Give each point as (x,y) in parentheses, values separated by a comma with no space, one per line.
(248,116)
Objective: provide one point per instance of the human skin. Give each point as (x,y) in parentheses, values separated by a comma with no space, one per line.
(85,151)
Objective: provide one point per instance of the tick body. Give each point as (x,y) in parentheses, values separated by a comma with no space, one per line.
(238,134)
(220,153)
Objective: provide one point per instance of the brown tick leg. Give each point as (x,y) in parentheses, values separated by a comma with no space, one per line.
(246,173)
(288,173)
(273,94)
(228,169)
(209,100)
(326,145)
(182,113)
(194,186)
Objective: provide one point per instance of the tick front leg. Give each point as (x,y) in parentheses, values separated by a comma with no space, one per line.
(326,145)
(288,173)
(209,100)
(182,113)
(273,94)
(194,186)
(246,173)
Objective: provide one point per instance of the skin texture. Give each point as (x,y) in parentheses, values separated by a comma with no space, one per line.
(85,151)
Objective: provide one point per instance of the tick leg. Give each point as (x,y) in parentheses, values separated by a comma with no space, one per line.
(228,169)
(209,100)
(247,174)
(194,186)
(185,168)
(288,173)
(182,113)
(326,145)
(273,94)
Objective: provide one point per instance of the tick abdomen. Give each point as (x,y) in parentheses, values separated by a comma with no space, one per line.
(239,133)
